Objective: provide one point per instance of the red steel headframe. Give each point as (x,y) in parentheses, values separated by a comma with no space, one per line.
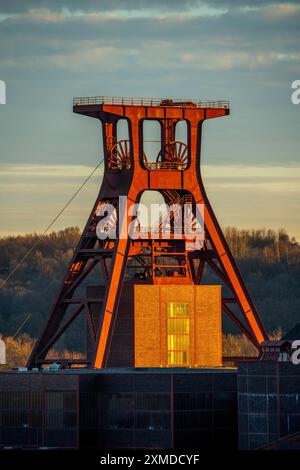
(176,174)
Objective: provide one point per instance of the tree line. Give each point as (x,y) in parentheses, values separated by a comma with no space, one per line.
(269,261)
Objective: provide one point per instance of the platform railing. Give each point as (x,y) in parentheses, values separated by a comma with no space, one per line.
(191,231)
(113,100)
(164,165)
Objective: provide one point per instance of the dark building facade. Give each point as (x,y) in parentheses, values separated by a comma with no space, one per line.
(119,409)
(257,406)
(268,403)
(39,410)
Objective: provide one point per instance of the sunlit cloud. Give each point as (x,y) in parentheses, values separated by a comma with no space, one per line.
(209,171)
(37,193)
(49,171)
(245,171)
(280,11)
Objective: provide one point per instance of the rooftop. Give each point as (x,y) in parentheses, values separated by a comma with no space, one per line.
(128,370)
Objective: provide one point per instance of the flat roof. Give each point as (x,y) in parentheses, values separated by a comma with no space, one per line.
(173,370)
(163,102)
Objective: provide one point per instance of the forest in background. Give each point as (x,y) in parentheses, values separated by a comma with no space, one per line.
(268,260)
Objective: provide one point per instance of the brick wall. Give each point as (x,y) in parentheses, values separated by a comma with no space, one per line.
(150,324)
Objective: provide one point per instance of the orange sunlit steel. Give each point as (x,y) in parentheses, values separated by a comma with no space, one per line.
(176,174)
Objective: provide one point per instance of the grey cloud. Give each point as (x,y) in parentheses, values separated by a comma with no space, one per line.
(17,6)
(46,42)
(235,30)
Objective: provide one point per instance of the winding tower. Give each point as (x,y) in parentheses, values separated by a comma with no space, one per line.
(155,259)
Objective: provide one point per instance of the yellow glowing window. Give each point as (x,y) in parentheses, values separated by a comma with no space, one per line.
(177,310)
(178,329)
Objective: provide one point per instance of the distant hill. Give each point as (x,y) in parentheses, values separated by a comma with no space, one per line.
(268,260)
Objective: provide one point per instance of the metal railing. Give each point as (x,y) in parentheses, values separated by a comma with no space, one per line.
(186,103)
(164,165)
(173,231)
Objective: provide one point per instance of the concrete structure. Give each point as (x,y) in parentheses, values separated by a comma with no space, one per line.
(152,408)
(268,403)
(256,406)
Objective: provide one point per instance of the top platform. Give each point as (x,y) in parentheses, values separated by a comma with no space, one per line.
(151,102)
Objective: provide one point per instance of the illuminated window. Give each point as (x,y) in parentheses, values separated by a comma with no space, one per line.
(178,329)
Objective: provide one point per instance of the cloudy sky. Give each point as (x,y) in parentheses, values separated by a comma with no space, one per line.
(241,50)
